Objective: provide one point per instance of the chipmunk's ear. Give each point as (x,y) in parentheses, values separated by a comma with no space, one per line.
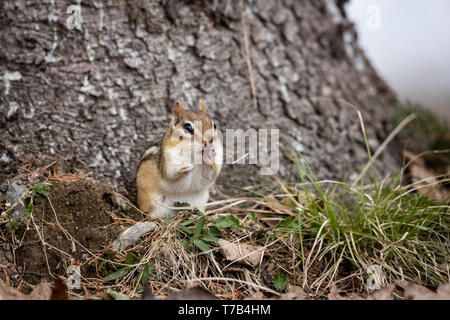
(178,111)
(203,106)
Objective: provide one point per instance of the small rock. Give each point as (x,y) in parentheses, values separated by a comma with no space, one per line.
(132,235)
(14,193)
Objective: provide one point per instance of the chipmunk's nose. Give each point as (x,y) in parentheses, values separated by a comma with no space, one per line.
(206,141)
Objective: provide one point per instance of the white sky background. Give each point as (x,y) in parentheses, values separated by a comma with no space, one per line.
(411,49)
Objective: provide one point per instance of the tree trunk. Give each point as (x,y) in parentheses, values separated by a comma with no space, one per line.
(97,96)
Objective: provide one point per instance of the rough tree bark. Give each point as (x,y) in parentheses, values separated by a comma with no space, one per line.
(95,98)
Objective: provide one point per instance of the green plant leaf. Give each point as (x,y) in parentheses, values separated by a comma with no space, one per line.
(185,244)
(188,222)
(289,222)
(201,245)
(186,230)
(116,275)
(12,225)
(30,209)
(144,274)
(116,295)
(280,281)
(229,221)
(199,227)
(213,232)
(40,188)
(130,258)
(253,217)
(210,239)
(313,229)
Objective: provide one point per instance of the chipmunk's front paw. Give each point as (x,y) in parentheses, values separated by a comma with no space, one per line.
(186,169)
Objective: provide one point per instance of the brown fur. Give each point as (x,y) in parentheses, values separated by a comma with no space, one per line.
(150,156)
(146,182)
(193,116)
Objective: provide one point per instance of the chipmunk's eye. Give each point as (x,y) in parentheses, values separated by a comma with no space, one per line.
(188,128)
(215,127)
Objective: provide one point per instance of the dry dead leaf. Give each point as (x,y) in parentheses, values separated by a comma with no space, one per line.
(41,292)
(303,197)
(385,293)
(237,252)
(280,207)
(271,222)
(416,292)
(420,172)
(334,295)
(294,293)
(411,292)
(9,293)
(277,207)
(195,293)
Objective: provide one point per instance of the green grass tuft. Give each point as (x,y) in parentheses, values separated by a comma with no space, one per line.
(347,229)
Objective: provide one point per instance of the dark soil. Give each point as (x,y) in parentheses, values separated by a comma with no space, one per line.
(83,209)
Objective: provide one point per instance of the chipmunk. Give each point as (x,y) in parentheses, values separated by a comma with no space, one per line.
(183,167)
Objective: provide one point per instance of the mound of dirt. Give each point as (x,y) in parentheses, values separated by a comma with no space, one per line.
(76,219)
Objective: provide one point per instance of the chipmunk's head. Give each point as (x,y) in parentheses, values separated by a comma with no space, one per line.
(196,127)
